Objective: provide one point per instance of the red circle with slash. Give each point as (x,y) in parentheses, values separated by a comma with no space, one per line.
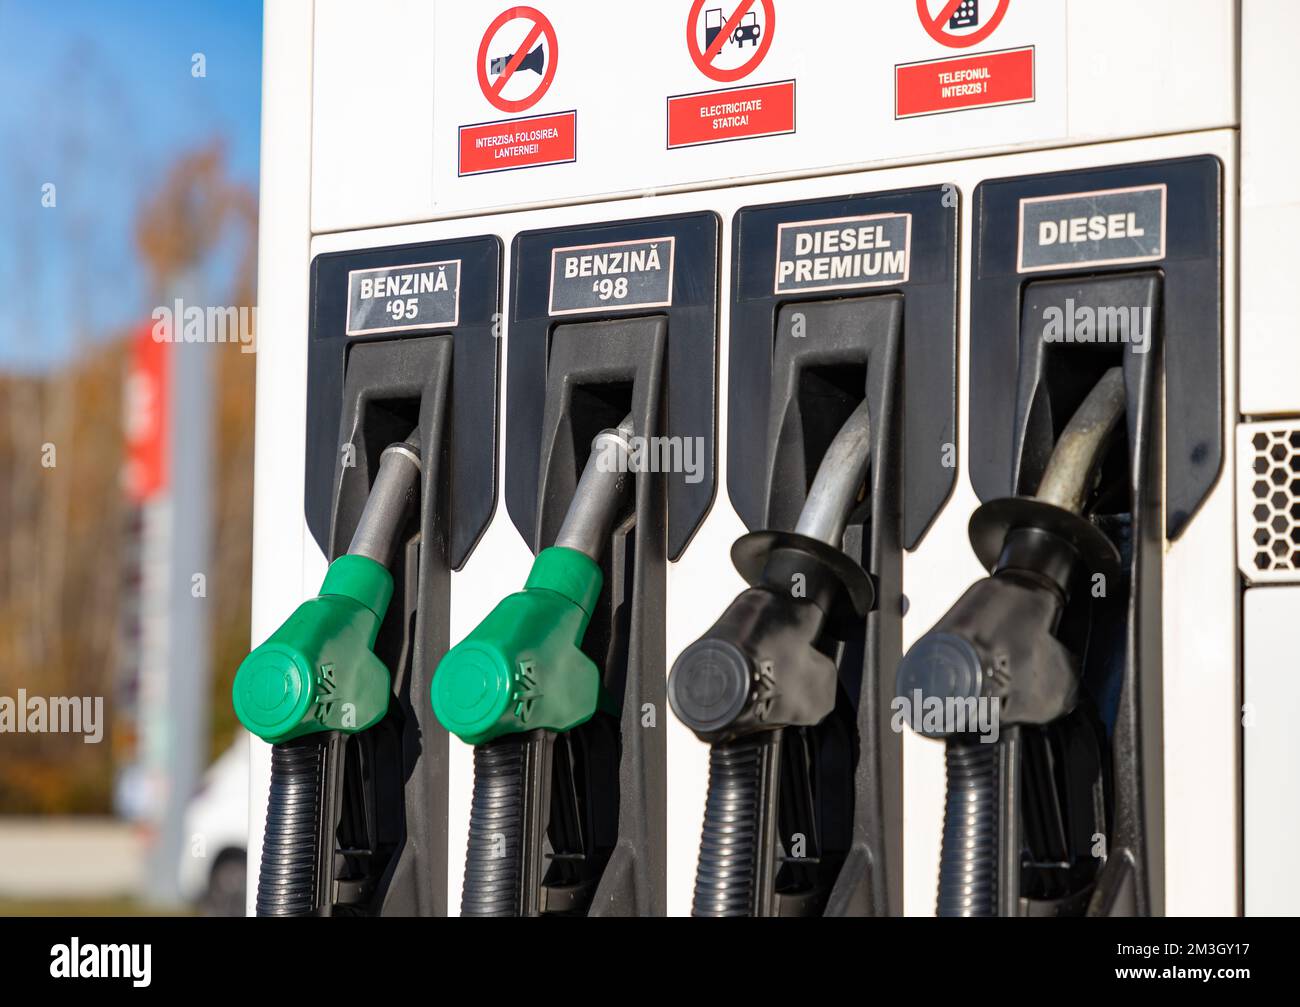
(541,27)
(704,58)
(934,26)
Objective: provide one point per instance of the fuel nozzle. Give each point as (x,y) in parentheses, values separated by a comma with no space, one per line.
(318,671)
(522,668)
(759,666)
(998,641)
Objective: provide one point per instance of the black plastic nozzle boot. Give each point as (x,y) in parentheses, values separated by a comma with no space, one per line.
(725,684)
(759,667)
(997,643)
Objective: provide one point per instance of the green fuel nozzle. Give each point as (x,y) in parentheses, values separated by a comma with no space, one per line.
(318,671)
(522,668)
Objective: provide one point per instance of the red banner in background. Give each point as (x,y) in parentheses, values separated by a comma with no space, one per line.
(146,403)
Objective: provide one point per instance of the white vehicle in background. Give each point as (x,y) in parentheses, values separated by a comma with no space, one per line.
(212,865)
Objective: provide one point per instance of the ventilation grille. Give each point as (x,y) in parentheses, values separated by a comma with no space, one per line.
(1268,501)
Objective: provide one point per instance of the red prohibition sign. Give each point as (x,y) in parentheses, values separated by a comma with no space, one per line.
(541,26)
(704,58)
(935,26)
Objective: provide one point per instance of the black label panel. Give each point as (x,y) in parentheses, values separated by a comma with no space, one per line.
(889,245)
(399,298)
(456,285)
(1106,228)
(846,253)
(613,276)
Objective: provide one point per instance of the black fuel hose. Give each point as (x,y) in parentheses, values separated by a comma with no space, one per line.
(969,856)
(730,841)
(286,884)
(496,823)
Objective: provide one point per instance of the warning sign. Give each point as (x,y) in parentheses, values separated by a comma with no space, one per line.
(962,82)
(517,59)
(729,46)
(518,143)
(961,24)
(736,113)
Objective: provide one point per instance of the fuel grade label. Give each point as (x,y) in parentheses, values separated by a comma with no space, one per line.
(1106,228)
(844,253)
(398,298)
(612,276)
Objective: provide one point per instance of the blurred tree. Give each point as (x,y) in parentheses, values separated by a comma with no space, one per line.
(65,528)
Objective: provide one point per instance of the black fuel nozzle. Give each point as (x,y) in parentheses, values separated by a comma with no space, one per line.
(998,642)
(995,660)
(766,665)
(760,666)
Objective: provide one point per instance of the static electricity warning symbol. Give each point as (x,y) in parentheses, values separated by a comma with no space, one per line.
(728,43)
(517,59)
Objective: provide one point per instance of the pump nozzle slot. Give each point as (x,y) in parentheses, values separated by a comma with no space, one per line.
(547,686)
(761,666)
(1056,507)
(998,641)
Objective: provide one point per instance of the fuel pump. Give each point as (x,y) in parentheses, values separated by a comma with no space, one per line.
(318,679)
(791,685)
(400,479)
(608,470)
(758,685)
(518,688)
(1043,778)
(1097,369)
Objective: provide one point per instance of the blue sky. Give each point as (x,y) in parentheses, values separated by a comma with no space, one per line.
(99,99)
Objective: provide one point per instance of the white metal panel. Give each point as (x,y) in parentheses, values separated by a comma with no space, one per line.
(281,417)
(1270,210)
(1272,750)
(1140,67)
(372,148)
